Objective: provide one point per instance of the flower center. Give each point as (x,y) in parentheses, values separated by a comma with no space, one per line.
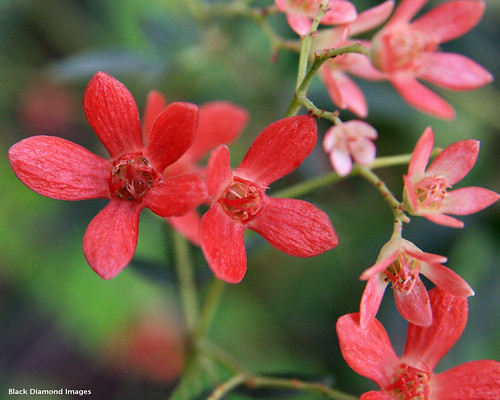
(403,272)
(410,384)
(431,192)
(131,177)
(242,200)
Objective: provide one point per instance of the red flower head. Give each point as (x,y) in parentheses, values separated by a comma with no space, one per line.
(131,179)
(406,50)
(425,189)
(369,352)
(301,13)
(219,122)
(239,201)
(401,262)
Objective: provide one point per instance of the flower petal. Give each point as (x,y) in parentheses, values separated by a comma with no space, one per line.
(341,161)
(112,113)
(373,395)
(172,134)
(279,149)
(364,152)
(453,71)
(219,173)
(414,305)
(187,225)
(60,169)
(470,381)
(450,20)
(468,200)
(405,11)
(368,350)
(421,155)
(442,219)
(371,299)
(339,12)
(176,195)
(455,161)
(299,23)
(371,18)
(155,104)
(446,279)
(295,227)
(111,237)
(222,244)
(429,344)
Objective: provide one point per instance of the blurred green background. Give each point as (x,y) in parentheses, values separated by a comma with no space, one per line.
(62,326)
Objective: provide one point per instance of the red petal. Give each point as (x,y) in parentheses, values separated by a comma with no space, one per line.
(279,149)
(414,306)
(442,219)
(368,350)
(223,246)
(405,11)
(220,122)
(453,71)
(176,195)
(339,12)
(450,20)
(111,237)
(295,227)
(187,225)
(421,97)
(429,344)
(455,161)
(299,23)
(219,173)
(57,168)
(112,113)
(470,381)
(420,156)
(172,134)
(155,104)
(446,279)
(468,200)
(372,395)
(371,18)
(371,299)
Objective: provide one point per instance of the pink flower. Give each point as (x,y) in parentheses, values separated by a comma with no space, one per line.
(301,13)
(239,201)
(343,91)
(425,191)
(369,352)
(219,122)
(131,179)
(400,262)
(350,139)
(406,51)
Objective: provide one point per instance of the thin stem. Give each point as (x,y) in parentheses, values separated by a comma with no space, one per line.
(210,305)
(185,276)
(227,387)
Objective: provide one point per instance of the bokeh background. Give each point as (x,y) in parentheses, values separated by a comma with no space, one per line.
(62,326)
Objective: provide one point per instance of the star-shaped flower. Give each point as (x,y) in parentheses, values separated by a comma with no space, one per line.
(132,178)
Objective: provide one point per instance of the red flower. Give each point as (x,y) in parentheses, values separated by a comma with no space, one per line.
(239,201)
(131,179)
(369,352)
(406,51)
(219,122)
(401,263)
(425,189)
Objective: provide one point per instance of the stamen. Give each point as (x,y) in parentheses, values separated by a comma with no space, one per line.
(242,200)
(410,384)
(403,273)
(431,192)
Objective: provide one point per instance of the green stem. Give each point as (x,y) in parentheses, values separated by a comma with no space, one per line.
(210,305)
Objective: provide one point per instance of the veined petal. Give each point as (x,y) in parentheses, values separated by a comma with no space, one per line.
(414,305)
(373,395)
(455,161)
(453,71)
(295,227)
(111,237)
(380,266)
(155,104)
(176,195)
(442,219)
(470,381)
(367,350)
(405,11)
(112,113)
(421,97)
(429,344)
(450,20)
(172,134)
(339,12)
(468,200)
(187,225)
(421,155)
(371,18)
(371,299)
(219,173)
(446,279)
(222,244)
(279,149)
(60,169)
(301,24)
